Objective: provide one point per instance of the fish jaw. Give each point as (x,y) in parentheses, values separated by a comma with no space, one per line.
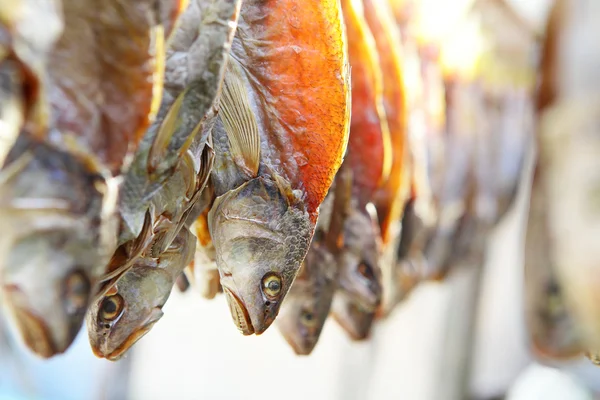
(101,347)
(356,321)
(260,234)
(239,313)
(34,332)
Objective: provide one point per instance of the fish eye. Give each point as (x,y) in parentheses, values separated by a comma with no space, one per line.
(365,270)
(308,318)
(111,307)
(77,290)
(271,285)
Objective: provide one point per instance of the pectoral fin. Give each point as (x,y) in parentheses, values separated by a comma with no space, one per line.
(168,126)
(239,121)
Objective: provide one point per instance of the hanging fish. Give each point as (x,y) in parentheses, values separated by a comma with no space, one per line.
(354,319)
(134,304)
(369,158)
(552,332)
(173,164)
(391,197)
(280,137)
(102,91)
(567,127)
(51,261)
(308,302)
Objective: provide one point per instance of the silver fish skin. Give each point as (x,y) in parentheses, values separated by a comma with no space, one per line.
(56,220)
(131,308)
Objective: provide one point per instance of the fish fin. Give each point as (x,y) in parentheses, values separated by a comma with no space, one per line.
(239,121)
(341,205)
(285,188)
(168,126)
(207,160)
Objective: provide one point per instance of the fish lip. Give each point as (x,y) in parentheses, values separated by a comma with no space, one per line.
(239,313)
(132,339)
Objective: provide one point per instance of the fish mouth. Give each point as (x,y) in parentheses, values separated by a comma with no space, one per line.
(301,347)
(35,334)
(356,321)
(239,313)
(132,339)
(33,330)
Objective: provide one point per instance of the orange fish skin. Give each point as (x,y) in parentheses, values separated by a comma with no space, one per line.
(369,152)
(392,196)
(304,98)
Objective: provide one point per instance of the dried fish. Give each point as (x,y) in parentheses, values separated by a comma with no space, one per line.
(280,139)
(134,304)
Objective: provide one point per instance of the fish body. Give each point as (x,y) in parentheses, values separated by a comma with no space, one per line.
(279,140)
(391,197)
(99,97)
(359,276)
(134,304)
(568,110)
(307,305)
(56,223)
(171,168)
(552,331)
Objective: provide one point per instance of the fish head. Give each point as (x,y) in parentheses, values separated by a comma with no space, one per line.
(352,317)
(128,310)
(47,282)
(307,304)
(260,233)
(360,271)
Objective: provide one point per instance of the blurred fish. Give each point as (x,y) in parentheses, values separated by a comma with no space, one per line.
(53,249)
(134,304)
(370,159)
(280,138)
(354,319)
(568,157)
(28,31)
(391,197)
(102,94)
(308,302)
(552,332)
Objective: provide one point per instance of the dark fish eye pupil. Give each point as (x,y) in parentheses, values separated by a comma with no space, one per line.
(273,285)
(109,307)
(308,316)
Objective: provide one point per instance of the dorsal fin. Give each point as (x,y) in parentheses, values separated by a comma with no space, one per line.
(295,58)
(369,153)
(239,121)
